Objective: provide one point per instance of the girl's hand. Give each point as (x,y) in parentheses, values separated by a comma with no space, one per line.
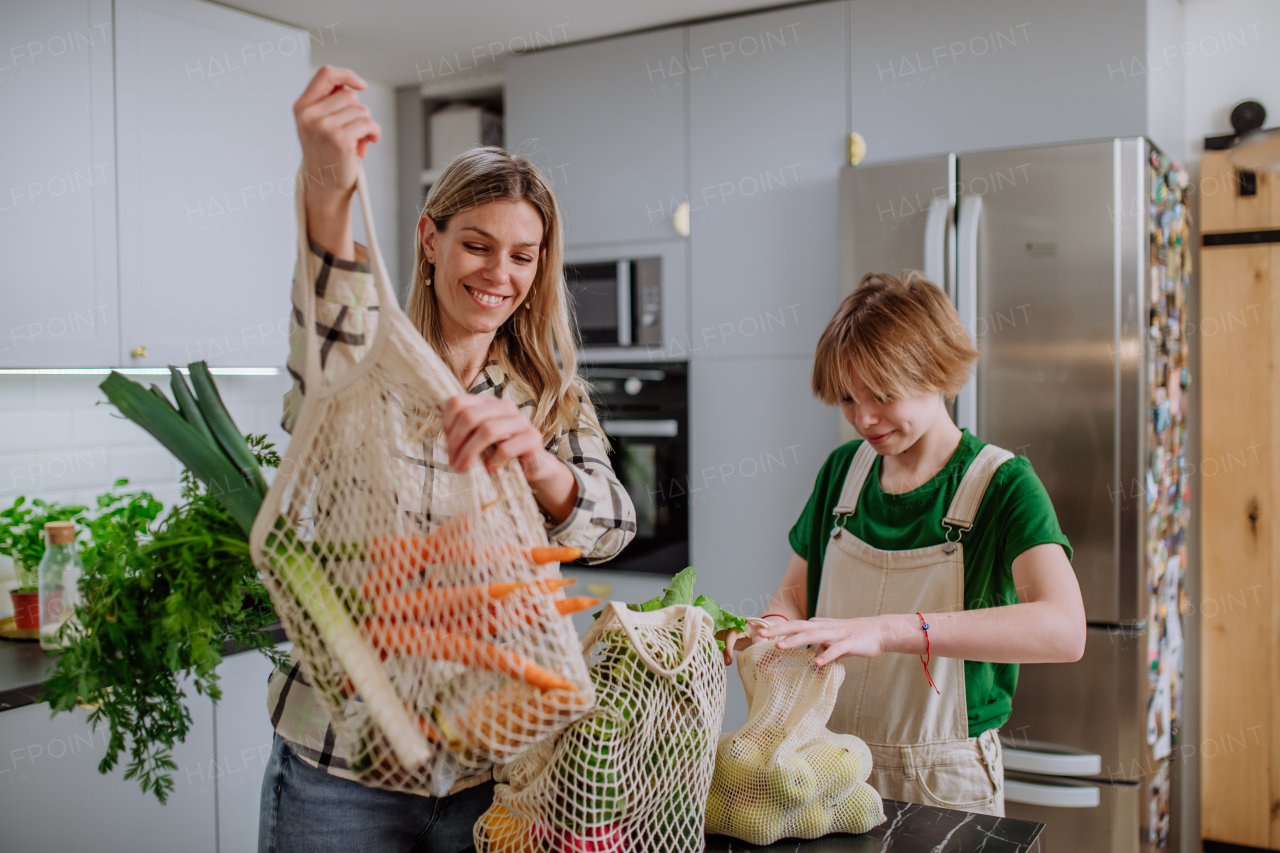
(835,638)
(492,429)
(334,129)
(736,641)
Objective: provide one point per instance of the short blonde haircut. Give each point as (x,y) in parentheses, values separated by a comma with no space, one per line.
(901,336)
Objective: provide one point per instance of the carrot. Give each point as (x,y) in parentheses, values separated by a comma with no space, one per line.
(493,620)
(506,719)
(392,552)
(542,556)
(443,602)
(410,639)
(567,606)
(406,558)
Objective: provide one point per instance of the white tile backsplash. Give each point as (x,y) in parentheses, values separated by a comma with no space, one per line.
(34,430)
(99,425)
(60,440)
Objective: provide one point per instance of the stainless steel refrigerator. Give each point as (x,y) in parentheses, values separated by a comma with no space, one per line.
(1069,266)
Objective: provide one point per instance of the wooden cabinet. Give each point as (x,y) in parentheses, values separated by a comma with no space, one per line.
(53,797)
(1239,479)
(767,139)
(208,153)
(605,123)
(57,212)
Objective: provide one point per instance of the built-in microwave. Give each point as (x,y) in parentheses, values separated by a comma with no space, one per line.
(617,303)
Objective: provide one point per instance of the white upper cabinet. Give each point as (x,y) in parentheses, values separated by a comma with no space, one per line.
(605,122)
(208,154)
(929,77)
(57,205)
(767,140)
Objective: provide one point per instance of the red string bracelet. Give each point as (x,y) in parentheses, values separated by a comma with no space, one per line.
(927,656)
(779,615)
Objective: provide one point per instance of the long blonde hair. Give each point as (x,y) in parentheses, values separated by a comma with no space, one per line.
(527,343)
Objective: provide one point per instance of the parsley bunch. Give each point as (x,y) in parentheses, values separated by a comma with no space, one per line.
(162,598)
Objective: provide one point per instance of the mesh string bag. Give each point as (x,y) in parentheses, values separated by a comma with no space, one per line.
(633,774)
(422,600)
(784,774)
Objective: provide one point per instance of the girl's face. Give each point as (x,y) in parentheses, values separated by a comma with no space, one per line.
(891,427)
(486,261)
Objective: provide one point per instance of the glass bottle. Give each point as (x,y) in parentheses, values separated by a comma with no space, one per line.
(60,573)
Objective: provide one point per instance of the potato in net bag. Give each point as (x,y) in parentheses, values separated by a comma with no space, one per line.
(785,774)
(422,600)
(632,774)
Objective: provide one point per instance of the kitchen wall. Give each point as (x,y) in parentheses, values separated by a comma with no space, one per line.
(380,169)
(1231,49)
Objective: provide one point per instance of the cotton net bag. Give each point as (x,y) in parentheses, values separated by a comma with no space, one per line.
(633,774)
(785,774)
(422,600)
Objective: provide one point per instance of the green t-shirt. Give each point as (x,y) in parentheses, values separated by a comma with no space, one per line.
(1015,514)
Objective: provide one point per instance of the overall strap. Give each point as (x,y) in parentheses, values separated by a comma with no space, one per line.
(853,481)
(964,506)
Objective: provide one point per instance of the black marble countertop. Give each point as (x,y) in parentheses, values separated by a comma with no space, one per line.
(909,829)
(24,669)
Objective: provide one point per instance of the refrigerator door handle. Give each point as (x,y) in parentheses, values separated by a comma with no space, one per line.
(935,242)
(967,301)
(1054,796)
(1052,763)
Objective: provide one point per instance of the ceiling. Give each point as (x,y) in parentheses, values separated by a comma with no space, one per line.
(402,42)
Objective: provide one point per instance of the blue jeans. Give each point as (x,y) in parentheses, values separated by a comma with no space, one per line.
(305,810)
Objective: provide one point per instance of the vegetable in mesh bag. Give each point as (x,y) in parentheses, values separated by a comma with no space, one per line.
(422,601)
(784,774)
(633,774)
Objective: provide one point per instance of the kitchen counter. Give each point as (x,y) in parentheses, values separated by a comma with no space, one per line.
(909,829)
(24,669)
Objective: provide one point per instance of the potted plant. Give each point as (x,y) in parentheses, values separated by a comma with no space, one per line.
(22,539)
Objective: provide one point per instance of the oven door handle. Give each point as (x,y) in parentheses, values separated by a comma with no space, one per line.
(657,428)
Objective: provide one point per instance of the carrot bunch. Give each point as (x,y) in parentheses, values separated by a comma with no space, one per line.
(412,617)
(403,560)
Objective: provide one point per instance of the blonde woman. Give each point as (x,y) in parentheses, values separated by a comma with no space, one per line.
(488,294)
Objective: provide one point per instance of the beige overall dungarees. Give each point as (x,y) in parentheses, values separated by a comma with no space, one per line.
(919,740)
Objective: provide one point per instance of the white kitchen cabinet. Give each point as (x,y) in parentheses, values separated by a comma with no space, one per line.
(605,122)
(767,135)
(929,77)
(753,458)
(242,747)
(207,155)
(53,798)
(57,211)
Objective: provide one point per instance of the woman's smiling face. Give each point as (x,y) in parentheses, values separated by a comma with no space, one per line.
(485,261)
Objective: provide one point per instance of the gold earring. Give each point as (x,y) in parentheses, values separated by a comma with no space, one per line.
(529,298)
(426,279)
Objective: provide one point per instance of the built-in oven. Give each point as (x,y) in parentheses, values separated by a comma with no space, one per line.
(644,409)
(617,303)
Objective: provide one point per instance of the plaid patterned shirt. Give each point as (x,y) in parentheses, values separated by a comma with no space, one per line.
(602,521)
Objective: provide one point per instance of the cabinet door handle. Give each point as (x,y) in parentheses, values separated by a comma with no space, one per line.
(680,219)
(138,352)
